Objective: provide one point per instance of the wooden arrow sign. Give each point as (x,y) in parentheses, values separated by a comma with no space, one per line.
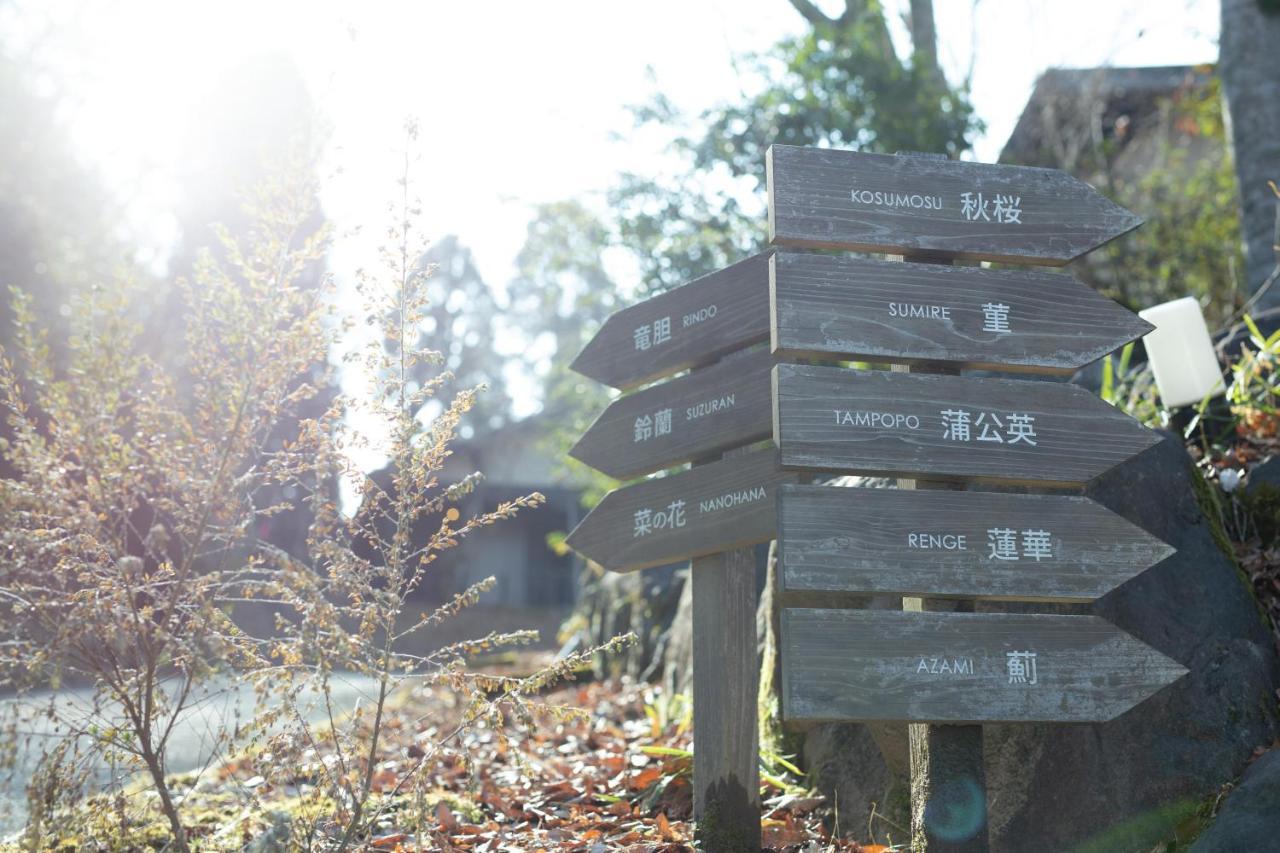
(1007,431)
(713,409)
(829,199)
(957,544)
(704,510)
(840,665)
(824,306)
(686,327)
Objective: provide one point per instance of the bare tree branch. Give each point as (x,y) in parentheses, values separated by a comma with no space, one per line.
(812,13)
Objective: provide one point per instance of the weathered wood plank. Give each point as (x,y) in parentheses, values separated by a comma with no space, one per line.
(709,410)
(726,793)
(825,306)
(710,508)
(832,199)
(689,326)
(1006,431)
(848,665)
(956,544)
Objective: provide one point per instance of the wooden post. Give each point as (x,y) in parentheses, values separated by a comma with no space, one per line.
(726,776)
(948,776)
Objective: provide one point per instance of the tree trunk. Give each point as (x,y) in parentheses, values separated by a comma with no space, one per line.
(1248,47)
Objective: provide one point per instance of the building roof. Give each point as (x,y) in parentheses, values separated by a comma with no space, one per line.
(1073,109)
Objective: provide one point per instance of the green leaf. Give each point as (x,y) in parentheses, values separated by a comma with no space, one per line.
(1126,355)
(1259,339)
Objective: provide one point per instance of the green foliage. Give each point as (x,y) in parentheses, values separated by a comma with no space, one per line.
(839,84)
(1254,392)
(1166,827)
(56,220)
(1130,388)
(562,293)
(459,323)
(1190,244)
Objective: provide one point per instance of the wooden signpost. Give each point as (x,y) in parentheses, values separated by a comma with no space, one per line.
(922,667)
(726,405)
(712,513)
(1052,548)
(688,326)
(826,306)
(920,206)
(708,509)
(1006,431)
(963,667)
(945,673)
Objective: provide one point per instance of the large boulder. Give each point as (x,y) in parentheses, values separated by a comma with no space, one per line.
(643,603)
(1123,784)
(1250,816)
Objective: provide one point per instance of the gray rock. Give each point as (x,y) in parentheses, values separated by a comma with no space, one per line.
(1120,785)
(1055,786)
(1250,816)
(1266,472)
(643,603)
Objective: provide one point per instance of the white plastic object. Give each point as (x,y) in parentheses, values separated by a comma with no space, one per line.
(1181,353)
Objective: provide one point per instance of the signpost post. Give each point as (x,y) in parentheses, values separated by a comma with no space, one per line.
(712,513)
(934,666)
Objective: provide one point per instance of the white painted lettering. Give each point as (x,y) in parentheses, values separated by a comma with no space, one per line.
(692,413)
(732,499)
(884,420)
(945,666)
(938,541)
(699,316)
(878,198)
(919,312)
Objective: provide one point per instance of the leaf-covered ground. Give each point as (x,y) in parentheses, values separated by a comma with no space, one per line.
(617,778)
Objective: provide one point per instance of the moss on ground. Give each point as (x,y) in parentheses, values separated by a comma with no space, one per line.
(1212,504)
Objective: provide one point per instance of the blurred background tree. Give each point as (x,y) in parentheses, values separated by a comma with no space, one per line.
(55,215)
(840,83)
(461,323)
(1186,191)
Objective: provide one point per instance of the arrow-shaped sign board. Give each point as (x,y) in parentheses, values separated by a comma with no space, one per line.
(826,306)
(689,326)
(704,510)
(1053,548)
(1007,431)
(865,665)
(829,199)
(722,406)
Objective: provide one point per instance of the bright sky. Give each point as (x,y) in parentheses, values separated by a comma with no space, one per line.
(519,102)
